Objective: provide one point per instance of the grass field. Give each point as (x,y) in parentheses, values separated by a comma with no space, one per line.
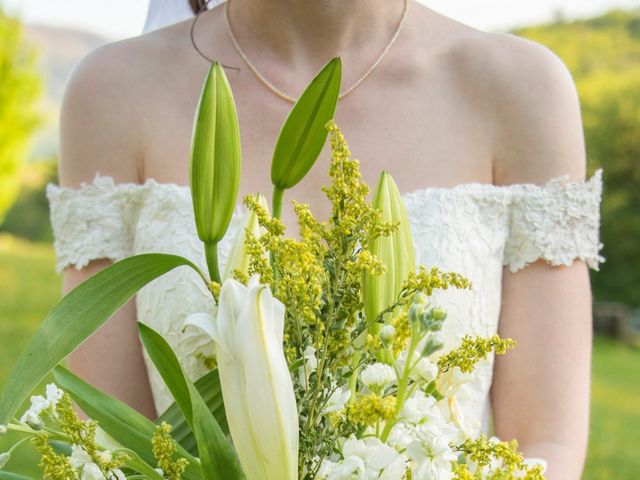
(29,287)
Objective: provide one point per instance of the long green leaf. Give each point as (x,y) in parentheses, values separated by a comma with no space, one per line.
(303,133)
(128,427)
(218,459)
(13,476)
(77,316)
(209,388)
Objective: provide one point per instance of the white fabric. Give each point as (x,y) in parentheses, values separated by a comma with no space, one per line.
(166,12)
(474,229)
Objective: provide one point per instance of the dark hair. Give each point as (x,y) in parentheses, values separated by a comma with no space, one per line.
(196,5)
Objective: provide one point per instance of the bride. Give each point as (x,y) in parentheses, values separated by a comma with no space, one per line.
(481,130)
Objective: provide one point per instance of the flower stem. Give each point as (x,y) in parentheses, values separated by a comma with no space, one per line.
(211,254)
(276,201)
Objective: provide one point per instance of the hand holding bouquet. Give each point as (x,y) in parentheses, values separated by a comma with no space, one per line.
(329,363)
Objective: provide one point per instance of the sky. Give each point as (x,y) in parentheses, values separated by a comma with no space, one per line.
(117,19)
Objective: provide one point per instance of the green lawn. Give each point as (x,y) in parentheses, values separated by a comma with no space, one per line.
(29,287)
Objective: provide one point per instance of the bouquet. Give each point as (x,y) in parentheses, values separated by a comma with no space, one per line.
(329,361)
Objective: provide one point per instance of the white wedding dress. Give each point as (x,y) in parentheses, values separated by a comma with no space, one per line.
(474,229)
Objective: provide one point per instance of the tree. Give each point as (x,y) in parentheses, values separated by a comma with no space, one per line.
(20,87)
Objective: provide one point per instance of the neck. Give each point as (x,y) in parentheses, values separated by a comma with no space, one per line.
(305,34)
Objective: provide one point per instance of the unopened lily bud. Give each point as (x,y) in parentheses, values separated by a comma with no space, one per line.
(387,334)
(395,251)
(214,163)
(4,459)
(238,258)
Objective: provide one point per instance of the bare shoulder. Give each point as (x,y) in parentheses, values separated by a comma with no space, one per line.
(105,106)
(527,93)
(534,106)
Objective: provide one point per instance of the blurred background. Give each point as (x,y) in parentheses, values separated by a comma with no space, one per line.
(599,40)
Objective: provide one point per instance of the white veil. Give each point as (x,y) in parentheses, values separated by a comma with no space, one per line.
(165,12)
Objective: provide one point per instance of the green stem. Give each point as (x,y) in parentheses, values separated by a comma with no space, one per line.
(403,382)
(211,253)
(276,202)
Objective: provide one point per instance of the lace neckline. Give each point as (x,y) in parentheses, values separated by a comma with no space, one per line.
(563,182)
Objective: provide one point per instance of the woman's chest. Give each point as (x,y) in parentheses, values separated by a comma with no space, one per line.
(424,136)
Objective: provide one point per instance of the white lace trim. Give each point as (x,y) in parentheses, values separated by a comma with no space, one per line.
(558,221)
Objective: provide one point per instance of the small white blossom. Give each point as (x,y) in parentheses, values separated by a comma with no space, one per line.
(377,376)
(401,435)
(387,334)
(40,405)
(425,370)
(431,453)
(419,409)
(88,470)
(310,358)
(338,399)
(363,460)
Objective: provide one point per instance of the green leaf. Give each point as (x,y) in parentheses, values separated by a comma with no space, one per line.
(13,476)
(303,134)
(77,316)
(209,388)
(127,426)
(216,455)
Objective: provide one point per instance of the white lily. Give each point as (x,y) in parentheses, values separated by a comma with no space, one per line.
(256,385)
(238,258)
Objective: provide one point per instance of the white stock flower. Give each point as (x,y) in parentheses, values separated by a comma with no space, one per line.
(338,399)
(364,460)
(425,370)
(401,435)
(310,358)
(419,409)
(40,405)
(88,470)
(256,384)
(377,376)
(431,453)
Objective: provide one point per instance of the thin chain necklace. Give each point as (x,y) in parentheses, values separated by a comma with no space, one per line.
(289,98)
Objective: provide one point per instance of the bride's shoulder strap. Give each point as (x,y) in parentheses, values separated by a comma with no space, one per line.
(558,222)
(96,220)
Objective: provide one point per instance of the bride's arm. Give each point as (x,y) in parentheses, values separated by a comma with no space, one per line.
(540,392)
(98,133)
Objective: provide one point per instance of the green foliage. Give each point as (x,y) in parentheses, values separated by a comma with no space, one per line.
(603,54)
(29,215)
(19,89)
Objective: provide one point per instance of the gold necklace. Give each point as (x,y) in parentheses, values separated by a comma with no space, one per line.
(289,98)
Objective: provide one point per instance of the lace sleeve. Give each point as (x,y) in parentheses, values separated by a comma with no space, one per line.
(96,220)
(558,222)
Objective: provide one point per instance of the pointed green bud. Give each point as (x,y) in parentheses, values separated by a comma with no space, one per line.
(4,459)
(303,133)
(215,162)
(238,258)
(395,251)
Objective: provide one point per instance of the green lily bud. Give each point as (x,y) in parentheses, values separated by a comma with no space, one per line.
(238,258)
(215,163)
(303,133)
(395,251)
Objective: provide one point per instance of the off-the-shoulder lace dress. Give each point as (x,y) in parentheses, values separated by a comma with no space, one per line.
(474,229)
